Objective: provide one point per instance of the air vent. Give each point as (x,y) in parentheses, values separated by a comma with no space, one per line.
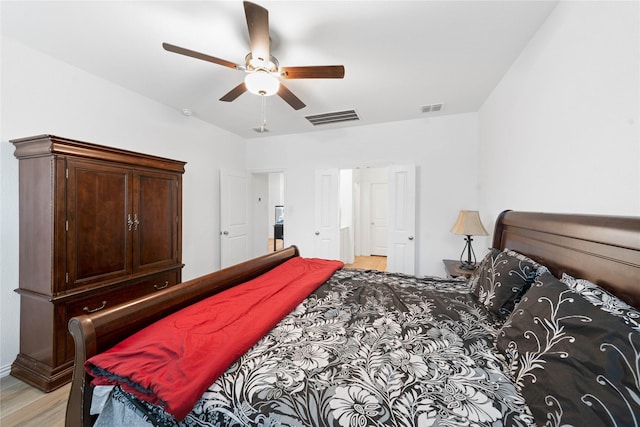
(335,117)
(431,108)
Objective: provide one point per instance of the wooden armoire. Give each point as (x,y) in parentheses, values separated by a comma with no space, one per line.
(99,226)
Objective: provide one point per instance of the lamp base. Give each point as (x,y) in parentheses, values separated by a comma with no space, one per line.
(468,266)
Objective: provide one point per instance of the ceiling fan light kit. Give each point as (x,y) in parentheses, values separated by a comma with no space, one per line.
(263,70)
(262,83)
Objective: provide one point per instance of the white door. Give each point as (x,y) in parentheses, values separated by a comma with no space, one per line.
(378,226)
(327,215)
(401,249)
(234,218)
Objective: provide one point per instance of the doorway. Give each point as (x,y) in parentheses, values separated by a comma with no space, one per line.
(269,211)
(363,216)
(350,228)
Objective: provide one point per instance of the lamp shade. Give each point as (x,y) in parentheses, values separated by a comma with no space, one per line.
(469,224)
(261,83)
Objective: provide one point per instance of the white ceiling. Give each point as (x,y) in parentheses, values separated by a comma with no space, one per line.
(398,55)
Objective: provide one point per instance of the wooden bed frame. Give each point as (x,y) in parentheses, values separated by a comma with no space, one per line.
(603,249)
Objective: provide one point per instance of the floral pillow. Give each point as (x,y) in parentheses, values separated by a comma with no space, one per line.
(604,299)
(536,265)
(482,267)
(574,362)
(501,279)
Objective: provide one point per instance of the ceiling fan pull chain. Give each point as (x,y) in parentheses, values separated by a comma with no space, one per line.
(264,113)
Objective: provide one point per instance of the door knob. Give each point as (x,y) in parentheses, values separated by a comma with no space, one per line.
(224,232)
(410,237)
(317,233)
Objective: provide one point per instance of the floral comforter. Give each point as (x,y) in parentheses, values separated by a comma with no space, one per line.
(365,349)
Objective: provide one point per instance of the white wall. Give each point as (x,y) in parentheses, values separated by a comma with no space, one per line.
(444,149)
(566,117)
(43,95)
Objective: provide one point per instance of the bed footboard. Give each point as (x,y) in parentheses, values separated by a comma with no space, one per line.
(97,332)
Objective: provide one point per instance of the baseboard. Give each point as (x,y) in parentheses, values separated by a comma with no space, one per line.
(5,370)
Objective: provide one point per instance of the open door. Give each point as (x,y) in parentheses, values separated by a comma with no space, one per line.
(327,215)
(379,208)
(401,248)
(234,222)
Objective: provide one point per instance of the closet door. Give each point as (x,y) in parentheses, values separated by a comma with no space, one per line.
(98,239)
(155,220)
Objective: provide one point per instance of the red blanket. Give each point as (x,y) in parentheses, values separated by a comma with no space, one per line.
(172,362)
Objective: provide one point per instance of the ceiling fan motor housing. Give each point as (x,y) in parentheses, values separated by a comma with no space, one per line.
(259,64)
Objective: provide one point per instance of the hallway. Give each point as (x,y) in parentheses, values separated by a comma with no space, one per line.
(369,263)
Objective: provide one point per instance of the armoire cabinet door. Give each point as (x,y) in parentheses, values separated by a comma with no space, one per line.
(98,236)
(156,220)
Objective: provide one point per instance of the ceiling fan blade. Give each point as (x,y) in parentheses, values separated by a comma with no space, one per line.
(198,55)
(234,93)
(258,25)
(313,72)
(290,98)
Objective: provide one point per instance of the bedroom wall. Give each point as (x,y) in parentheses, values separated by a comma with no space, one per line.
(43,95)
(444,150)
(566,116)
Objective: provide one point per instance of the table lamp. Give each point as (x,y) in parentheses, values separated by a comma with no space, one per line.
(468,224)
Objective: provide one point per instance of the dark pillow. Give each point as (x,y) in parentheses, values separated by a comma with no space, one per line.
(501,280)
(536,265)
(483,266)
(604,300)
(574,363)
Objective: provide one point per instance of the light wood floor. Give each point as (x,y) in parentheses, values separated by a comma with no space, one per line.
(279,245)
(23,405)
(369,263)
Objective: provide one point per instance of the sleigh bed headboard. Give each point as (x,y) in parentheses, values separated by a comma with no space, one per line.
(602,249)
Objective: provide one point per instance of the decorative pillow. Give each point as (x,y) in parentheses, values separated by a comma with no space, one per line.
(482,267)
(604,300)
(538,267)
(575,363)
(501,281)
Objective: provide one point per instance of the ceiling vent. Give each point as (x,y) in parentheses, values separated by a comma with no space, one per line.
(431,108)
(335,117)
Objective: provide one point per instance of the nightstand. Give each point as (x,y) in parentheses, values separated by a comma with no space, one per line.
(452,267)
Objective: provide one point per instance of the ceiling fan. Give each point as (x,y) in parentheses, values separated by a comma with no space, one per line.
(263,72)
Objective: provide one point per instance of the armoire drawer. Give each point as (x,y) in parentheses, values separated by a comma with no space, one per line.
(102,300)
